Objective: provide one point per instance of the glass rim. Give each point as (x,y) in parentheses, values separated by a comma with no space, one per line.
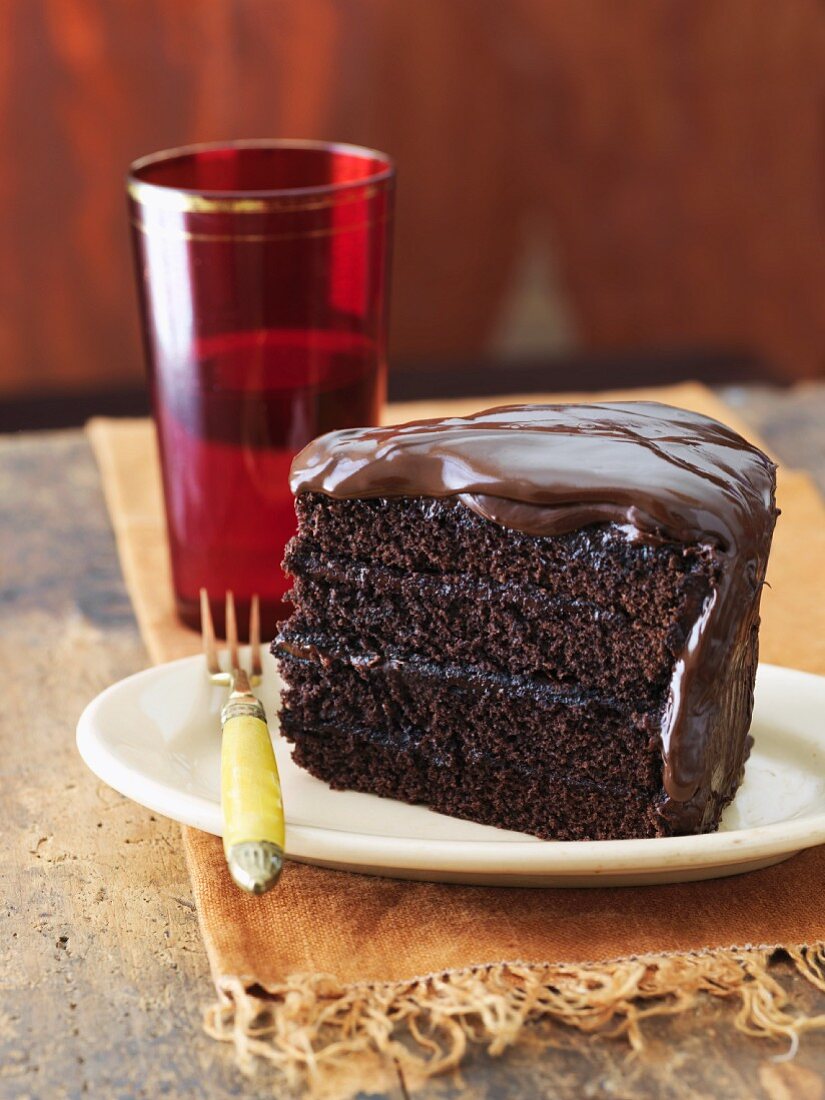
(260,200)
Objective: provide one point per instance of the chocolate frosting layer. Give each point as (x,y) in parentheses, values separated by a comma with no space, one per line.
(658,473)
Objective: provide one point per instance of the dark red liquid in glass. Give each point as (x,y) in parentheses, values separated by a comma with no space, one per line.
(262,272)
(228,431)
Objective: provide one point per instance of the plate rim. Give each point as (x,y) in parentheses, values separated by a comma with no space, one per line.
(575,858)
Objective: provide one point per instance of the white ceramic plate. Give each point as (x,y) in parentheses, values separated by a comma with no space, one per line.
(155,738)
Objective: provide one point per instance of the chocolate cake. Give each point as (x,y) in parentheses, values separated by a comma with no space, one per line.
(541,617)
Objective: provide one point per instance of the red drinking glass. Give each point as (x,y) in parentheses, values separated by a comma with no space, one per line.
(262,272)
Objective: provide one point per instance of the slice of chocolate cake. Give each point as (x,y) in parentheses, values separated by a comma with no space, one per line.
(542,617)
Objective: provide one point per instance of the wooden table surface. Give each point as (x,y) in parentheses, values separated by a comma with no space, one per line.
(102,973)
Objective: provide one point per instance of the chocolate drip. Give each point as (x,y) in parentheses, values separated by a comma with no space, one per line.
(658,473)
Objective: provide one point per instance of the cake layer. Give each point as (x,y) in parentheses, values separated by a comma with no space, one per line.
(466,716)
(598,564)
(510,628)
(524,799)
(551,469)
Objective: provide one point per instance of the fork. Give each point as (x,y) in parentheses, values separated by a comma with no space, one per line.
(253,813)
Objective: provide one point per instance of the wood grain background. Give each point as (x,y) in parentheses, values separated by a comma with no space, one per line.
(659,163)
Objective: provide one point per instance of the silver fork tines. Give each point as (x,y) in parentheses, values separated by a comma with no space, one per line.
(210,647)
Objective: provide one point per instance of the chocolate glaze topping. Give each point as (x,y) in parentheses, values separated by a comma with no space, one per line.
(658,473)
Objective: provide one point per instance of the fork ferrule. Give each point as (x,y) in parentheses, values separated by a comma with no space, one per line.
(242,705)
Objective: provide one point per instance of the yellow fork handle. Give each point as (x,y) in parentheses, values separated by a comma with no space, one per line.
(253,812)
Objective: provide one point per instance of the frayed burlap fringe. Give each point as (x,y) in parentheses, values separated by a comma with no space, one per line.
(332,1039)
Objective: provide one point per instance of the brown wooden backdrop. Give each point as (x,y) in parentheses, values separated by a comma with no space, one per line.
(663,158)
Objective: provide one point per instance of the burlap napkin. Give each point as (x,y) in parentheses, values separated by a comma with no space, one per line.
(333,976)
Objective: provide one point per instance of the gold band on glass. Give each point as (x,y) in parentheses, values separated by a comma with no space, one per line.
(184,202)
